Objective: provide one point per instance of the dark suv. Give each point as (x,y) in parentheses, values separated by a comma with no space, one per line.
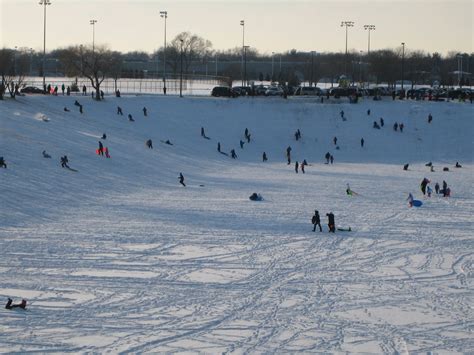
(223,91)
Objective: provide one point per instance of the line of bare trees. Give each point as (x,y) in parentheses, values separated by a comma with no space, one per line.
(381,66)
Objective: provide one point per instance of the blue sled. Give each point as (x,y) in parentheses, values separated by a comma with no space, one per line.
(417,203)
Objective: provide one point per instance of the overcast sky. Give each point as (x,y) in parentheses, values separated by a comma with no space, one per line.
(270,25)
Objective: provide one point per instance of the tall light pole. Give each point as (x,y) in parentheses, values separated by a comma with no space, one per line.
(245,65)
(459,57)
(164,14)
(14,60)
(347,24)
(273,54)
(181,74)
(31,61)
(369,28)
(403,62)
(44,3)
(93,22)
(242,23)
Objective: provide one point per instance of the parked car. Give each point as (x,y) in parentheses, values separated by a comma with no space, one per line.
(31,90)
(242,90)
(274,91)
(339,92)
(260,89)
(308,91)
(224,91)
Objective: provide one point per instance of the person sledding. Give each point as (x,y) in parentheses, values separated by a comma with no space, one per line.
(10,304)
(255,197)
(349,192)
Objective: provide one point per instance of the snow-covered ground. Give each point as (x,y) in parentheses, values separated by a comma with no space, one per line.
(119,257)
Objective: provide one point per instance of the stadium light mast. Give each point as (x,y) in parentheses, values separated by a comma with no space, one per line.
(273,54)
(369,28)
(403,62)
(93,22)
(44,3)
(245,65)
(242,23)
(181,71)
(346,24)
(164,14)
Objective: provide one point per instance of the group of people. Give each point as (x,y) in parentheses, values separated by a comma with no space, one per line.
(427,190)
(316,221)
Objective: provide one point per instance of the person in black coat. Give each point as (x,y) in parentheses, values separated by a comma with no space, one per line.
(2,163)
(101,148)
(10,304)
(232,154)
(264,157)
(296,167)
(288,154)
(64,161)
(331,222)
(149,144)
(316,220)
(362,142)
(145,111)
(119,111)
(181,179)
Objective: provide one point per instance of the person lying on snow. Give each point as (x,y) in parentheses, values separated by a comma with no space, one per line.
(10,304)
(256,197)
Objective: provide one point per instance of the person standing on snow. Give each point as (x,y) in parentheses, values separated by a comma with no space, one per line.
(264,157)
(149,144)
(327,156)
(423,185)
(331,222)
(101,149)
(410,200)
(437,188)
(288,154)
(362,142)
(316,220)
(145,111)
(232,154)
(296,167)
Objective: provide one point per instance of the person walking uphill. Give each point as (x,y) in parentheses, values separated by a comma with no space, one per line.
(181,179)
(288,154)
(100,151)
(331,222)
(316,220)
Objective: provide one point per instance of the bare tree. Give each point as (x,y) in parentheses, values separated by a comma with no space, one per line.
(13,68)
(194,47)
(93,64)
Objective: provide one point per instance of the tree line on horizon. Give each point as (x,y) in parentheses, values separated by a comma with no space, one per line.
(197,54)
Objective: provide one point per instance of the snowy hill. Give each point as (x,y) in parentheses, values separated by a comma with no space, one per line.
(118,256)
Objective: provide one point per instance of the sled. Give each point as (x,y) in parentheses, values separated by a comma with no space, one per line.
(341,229)
(417,203)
